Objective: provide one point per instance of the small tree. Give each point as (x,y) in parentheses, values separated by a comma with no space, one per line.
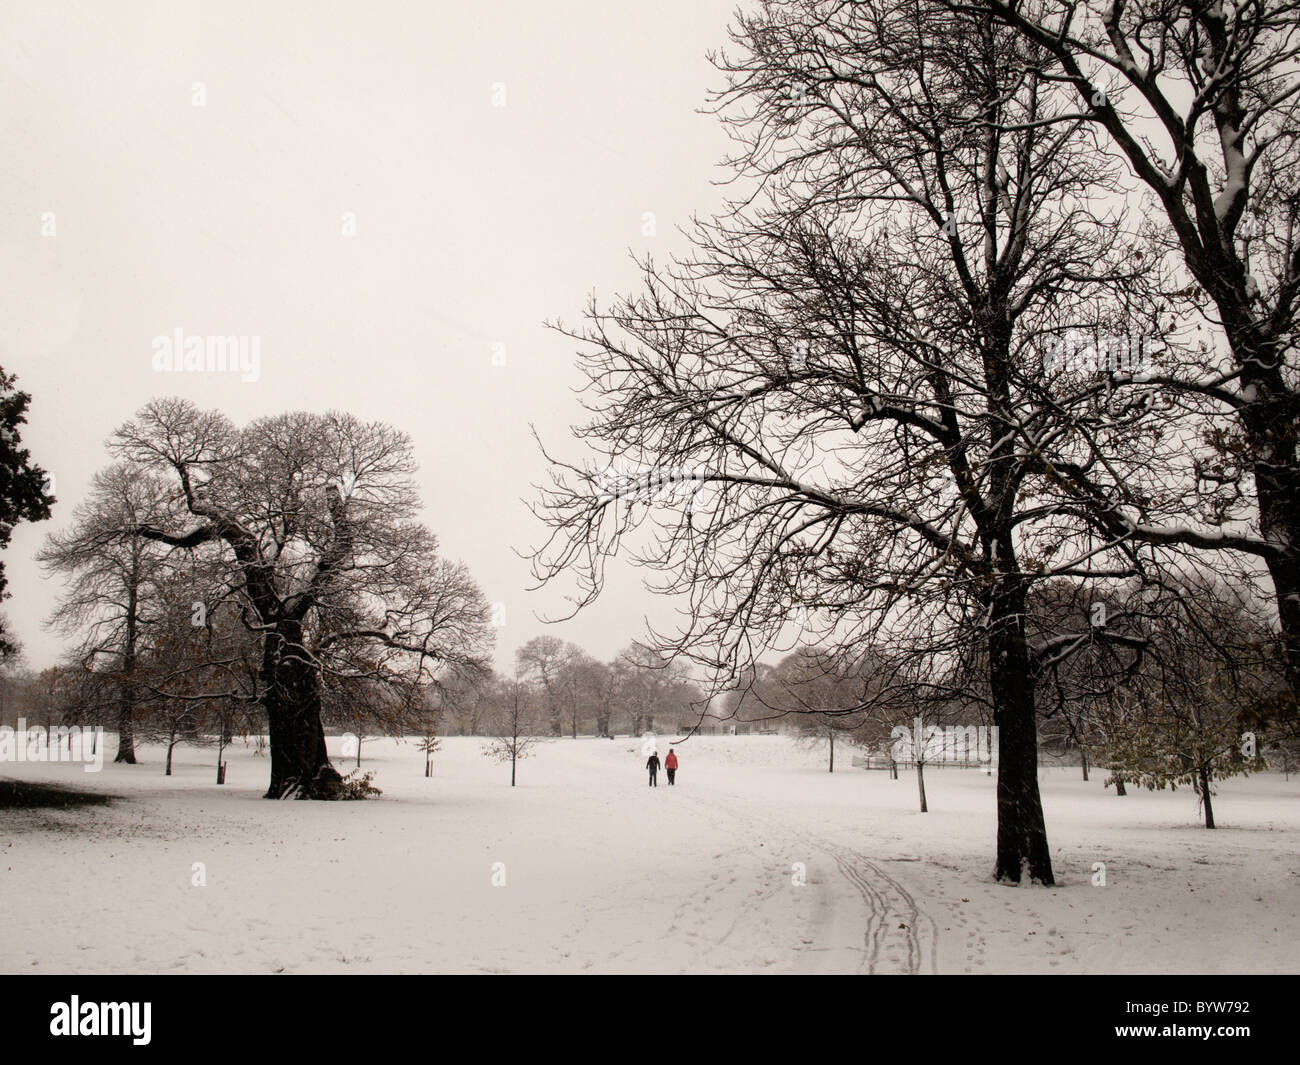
(913,699)
(219,658)
(814,726)
(1284,750)
(517,736)
(429,744)
(1168,744)
(367,710)
(821,693)
(172,722)
(1187,715)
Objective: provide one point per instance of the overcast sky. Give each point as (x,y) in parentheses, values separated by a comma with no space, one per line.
(195,163)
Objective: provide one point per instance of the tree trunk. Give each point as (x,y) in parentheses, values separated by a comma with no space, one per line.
(1022,834)
(1270,425)
(125,732)
(126,707)
(1084,754)
(1205,797)
(171,746)
(1287,584)
(920,784)
(1119,786)
(832,766)
(291,696)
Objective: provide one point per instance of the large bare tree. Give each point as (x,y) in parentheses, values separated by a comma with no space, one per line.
(116,577)
(852,381)
(311,523)
(1201,99)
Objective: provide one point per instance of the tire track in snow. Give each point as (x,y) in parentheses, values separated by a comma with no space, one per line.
(891,908)
(874,933)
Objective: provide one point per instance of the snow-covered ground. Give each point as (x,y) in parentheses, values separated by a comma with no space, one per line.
(603,874)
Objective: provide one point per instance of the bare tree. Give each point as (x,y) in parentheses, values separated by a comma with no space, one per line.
(822,695)
(310,521)
(649,684)
(430,705)
(545,660)
(594,684)
(1202,101)
(461,696)
(516,724)
(196,673)
(854,378)
(366,708)
(112,596)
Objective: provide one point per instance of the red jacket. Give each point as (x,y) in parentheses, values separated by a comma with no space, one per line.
(670,762)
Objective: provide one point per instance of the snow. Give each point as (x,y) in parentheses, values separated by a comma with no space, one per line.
(603,874)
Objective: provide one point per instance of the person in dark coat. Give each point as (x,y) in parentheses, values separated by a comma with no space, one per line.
(652,764)
(670,764)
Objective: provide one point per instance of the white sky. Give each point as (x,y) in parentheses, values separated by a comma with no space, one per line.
(474,224)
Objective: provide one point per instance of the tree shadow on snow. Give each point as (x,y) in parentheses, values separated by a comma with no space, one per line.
(27,795)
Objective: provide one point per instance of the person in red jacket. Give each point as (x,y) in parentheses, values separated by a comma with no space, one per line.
(670,764)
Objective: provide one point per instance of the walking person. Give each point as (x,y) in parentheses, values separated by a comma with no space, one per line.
(652,764)
(670,764)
